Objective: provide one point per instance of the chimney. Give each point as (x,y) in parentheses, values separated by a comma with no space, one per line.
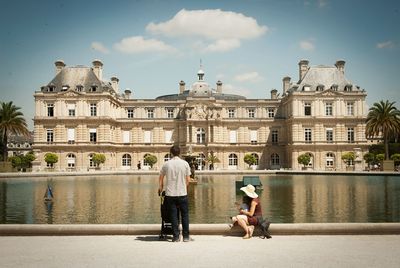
(303,68)
(340,65)
(59,65)
(219,87)
(274,94)
(127,93)
(98,69)
(286,84)
(181,87)
(114,84)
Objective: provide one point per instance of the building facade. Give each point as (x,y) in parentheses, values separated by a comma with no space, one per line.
(79,114)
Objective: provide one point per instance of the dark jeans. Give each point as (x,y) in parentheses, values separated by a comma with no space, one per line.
(173,204)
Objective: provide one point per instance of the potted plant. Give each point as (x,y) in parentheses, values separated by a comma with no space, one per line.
(212,159)
(304,159)
(50,159)
(250,160)
(396,159)
(98,159)
(150,160)
(369,158)
(348,159)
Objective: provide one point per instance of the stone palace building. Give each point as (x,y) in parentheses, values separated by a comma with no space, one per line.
(79,114)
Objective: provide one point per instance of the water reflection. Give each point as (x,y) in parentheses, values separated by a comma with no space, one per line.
(134,199)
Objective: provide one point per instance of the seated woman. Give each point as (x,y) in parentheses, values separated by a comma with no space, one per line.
(247,219)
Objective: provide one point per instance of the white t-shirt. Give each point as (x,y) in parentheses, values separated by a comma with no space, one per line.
(175,171)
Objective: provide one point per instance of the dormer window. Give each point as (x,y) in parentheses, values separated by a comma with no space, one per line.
(51,88)
(334,87)
(348,88)
(79,88)
(320,87)
(93,88)
(64,88)
(306,88)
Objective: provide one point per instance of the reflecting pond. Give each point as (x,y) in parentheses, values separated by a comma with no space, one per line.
(133,199)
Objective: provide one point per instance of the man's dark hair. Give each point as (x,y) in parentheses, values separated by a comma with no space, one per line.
(175,150)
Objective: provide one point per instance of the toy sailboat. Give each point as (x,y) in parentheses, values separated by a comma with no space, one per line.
(48,196)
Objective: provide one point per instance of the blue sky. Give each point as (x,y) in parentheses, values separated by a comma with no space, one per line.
(250,45)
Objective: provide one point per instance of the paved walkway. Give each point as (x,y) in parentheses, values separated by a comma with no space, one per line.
(203,251)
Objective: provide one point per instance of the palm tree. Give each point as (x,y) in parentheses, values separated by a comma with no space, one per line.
(383,121)
(12,122)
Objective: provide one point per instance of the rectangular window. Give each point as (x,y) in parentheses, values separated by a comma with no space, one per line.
(168,136)
(150,112)
(170,112)
(271,112)
(147,136)
(71,135)
(126,136)
(350,135)
(307,109)
(274,136)
(253,136)
(93,135)
(93,109)
(251,112)
(329,135)
(231,113)
(328,109)
(307,135)
(232,136)
(50,136)
(50,109)
(130,112)
(350,108)
(71,109)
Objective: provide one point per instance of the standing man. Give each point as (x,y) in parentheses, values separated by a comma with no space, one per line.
(177,173)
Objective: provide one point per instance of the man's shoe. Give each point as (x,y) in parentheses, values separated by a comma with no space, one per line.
(175,239)
(186,239)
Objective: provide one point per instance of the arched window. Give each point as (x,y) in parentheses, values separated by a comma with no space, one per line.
(311,164)
(71,160)
(145,163)
(201,161)
(330,160)
(167,157)
(275,159)
(233,160)
(126,160)
(256,157)
(201,135)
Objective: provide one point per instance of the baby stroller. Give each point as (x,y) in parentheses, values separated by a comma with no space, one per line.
(166,226)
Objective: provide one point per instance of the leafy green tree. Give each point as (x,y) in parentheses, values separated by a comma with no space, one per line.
(12,122)
(383,121)
(369,158)
(51,158)
(22,161)
(304,159)
(348,158)
(250,160)
(395,158)
(150,160)
(380,157)
(99,159)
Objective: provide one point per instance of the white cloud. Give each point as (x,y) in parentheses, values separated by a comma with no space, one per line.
(387,44)
(307,45)
(248,77)
(223,45)
(225,28)
(231,89)
(137,44)
(97,46)
(322,3)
